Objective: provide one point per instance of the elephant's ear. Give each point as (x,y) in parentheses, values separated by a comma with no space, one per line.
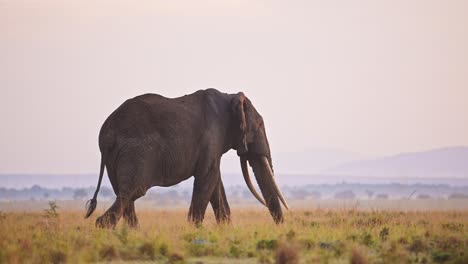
(238,108)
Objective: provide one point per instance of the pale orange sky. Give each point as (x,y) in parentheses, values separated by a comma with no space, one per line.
(374,77)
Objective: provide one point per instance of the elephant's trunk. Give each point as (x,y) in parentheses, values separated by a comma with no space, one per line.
(272,177)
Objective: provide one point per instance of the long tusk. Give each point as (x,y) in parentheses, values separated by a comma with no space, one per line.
(277,190)
(245,172)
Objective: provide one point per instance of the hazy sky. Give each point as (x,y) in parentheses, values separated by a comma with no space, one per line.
(374,77)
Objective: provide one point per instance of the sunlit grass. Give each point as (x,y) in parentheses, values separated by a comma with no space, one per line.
(313,236)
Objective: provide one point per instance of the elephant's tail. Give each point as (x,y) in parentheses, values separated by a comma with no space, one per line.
(91,204)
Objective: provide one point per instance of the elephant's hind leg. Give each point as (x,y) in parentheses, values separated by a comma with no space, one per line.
(220,205)
(130,183)
(110,218)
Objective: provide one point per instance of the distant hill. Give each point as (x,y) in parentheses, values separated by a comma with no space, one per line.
(449,162)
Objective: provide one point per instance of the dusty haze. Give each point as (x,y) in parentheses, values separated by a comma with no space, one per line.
(371,77)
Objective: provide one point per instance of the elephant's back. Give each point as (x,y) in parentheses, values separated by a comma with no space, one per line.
(131,119)
(151,116)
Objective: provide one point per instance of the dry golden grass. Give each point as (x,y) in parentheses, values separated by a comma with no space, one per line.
(307,236)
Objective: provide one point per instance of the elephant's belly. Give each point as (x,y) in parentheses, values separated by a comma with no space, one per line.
(170,182)
(167,171)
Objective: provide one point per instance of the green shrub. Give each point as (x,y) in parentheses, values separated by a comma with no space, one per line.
(163,249)
(267,244)
(367,239)
(440,257)
(235,251)
(147,251)
(58,256)
(383,234)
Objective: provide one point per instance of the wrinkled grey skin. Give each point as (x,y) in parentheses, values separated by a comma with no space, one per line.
(151,140)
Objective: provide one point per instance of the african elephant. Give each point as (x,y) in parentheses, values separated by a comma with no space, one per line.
(151,140)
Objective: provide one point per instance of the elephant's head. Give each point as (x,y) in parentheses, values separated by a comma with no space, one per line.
(252,145)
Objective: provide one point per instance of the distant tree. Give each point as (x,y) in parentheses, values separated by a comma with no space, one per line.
(370,193)
(36,188)
(106,192)
(423,196)
(382,196)
(458,196)
(46,195)
(299,194)
(315,195)
(186,195)
(345,195)
(171,195)
(80,194)
(246,194)
(234,193)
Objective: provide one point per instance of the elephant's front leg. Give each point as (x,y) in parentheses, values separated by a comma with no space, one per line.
(203,188)
(220,205)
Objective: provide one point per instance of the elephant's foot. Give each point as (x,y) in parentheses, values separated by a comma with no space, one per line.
(132,222)
(195,218)
(224,219)
(106,221)
(222,213)
(197,221)
(130,216)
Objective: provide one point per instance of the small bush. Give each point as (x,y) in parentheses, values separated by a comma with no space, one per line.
(267,244)
(290,235)
(358,256)
(314,224)
(163,249)
(176,258)
(2,215)
(52,211)
(57,257)
(200,247)
(457,227)
(338,248)
(264,259)
(147,251)
(286,254)
(108,253)
(417,246)
(440,257)
(307,243)
(384,233)
(366,239)
(403,240)
(235,251)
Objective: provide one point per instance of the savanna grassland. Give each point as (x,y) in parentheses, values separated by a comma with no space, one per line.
(58,235)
